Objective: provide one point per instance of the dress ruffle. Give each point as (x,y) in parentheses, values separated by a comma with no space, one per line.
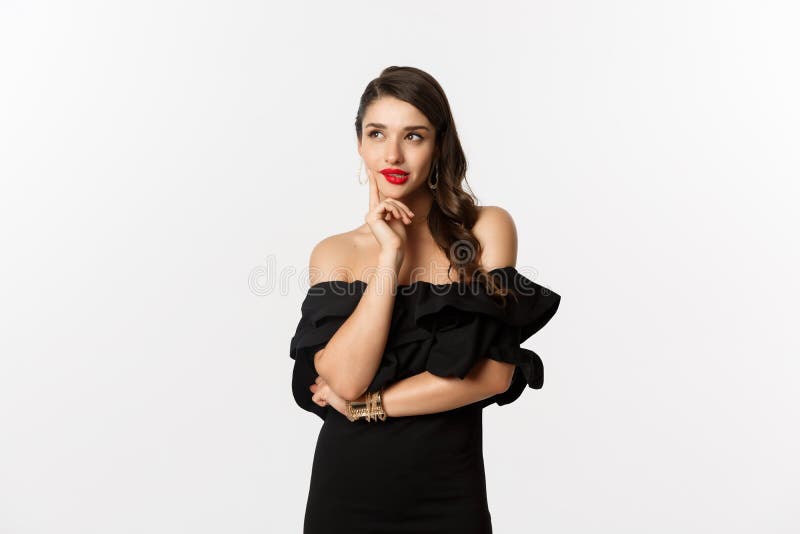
(441,328)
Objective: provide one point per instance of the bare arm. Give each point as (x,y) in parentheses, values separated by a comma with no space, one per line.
(497,234)
(426,393)
(352,356)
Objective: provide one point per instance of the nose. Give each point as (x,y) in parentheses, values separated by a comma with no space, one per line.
(394,154)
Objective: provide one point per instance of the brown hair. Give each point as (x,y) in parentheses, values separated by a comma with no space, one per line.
(454,210)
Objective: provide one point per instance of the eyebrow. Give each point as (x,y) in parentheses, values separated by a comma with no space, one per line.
(407,128)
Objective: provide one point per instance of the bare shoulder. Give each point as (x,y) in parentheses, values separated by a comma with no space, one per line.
(331,258)
(497,234)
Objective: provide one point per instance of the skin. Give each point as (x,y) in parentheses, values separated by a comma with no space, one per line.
(394,246)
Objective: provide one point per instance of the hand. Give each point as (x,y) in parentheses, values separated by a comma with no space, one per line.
(387,219)
(324,395)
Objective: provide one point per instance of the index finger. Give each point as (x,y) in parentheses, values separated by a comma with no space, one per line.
(374,198)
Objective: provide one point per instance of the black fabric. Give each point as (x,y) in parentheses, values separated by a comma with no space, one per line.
(432,465)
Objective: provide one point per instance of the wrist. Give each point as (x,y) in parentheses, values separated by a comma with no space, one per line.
(384,277)
(368,406)
(390,261)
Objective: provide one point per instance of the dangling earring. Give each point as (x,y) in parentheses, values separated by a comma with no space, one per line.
(360,164)
(435,183)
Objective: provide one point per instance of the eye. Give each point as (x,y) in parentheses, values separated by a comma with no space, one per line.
(418,135)
(370,134)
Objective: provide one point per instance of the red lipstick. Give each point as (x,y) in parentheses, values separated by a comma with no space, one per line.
(395,176)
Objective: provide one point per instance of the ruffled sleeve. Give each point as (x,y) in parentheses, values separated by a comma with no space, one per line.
(465,323)
(441,328)
(325,308)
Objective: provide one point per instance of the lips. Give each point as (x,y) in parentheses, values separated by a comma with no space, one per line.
(395,176)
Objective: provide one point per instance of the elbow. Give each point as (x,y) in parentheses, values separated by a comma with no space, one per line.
(341,385)
(318,365)
(349,393)
(503,378)
(498,388)
(345,389)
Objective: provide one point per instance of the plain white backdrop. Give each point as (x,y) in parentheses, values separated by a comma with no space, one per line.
(167,167)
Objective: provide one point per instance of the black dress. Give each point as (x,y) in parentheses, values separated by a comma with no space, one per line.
(424,473)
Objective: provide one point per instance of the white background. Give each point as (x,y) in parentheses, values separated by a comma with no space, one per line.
(167,166)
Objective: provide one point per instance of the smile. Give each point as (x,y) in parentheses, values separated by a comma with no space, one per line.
(395,176)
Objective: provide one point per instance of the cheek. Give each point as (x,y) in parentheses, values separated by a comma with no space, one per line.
(423,165)
(371,160)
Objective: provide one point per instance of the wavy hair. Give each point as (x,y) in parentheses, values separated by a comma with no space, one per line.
(454,210)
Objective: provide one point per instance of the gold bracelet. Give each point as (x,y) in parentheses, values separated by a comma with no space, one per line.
(371,409)
(354,410)
(375,406)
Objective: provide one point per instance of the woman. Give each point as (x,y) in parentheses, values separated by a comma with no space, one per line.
(411,326)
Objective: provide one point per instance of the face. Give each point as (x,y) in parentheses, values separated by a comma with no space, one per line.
(397,138)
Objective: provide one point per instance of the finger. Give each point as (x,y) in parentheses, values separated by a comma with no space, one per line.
(391,209)
(388,208)
(402,206)
(374,197)
(318,379)
(399,212)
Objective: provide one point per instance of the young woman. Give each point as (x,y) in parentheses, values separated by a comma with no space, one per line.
(411,326)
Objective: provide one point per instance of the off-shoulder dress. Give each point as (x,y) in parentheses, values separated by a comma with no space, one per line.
(422,473)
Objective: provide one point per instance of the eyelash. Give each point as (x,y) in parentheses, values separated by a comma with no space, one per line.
(378,131)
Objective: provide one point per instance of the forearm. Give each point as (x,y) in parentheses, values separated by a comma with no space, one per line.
(426,393)
(351,357)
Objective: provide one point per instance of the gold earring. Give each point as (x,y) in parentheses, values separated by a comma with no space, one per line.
(361,164)
(433,184)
